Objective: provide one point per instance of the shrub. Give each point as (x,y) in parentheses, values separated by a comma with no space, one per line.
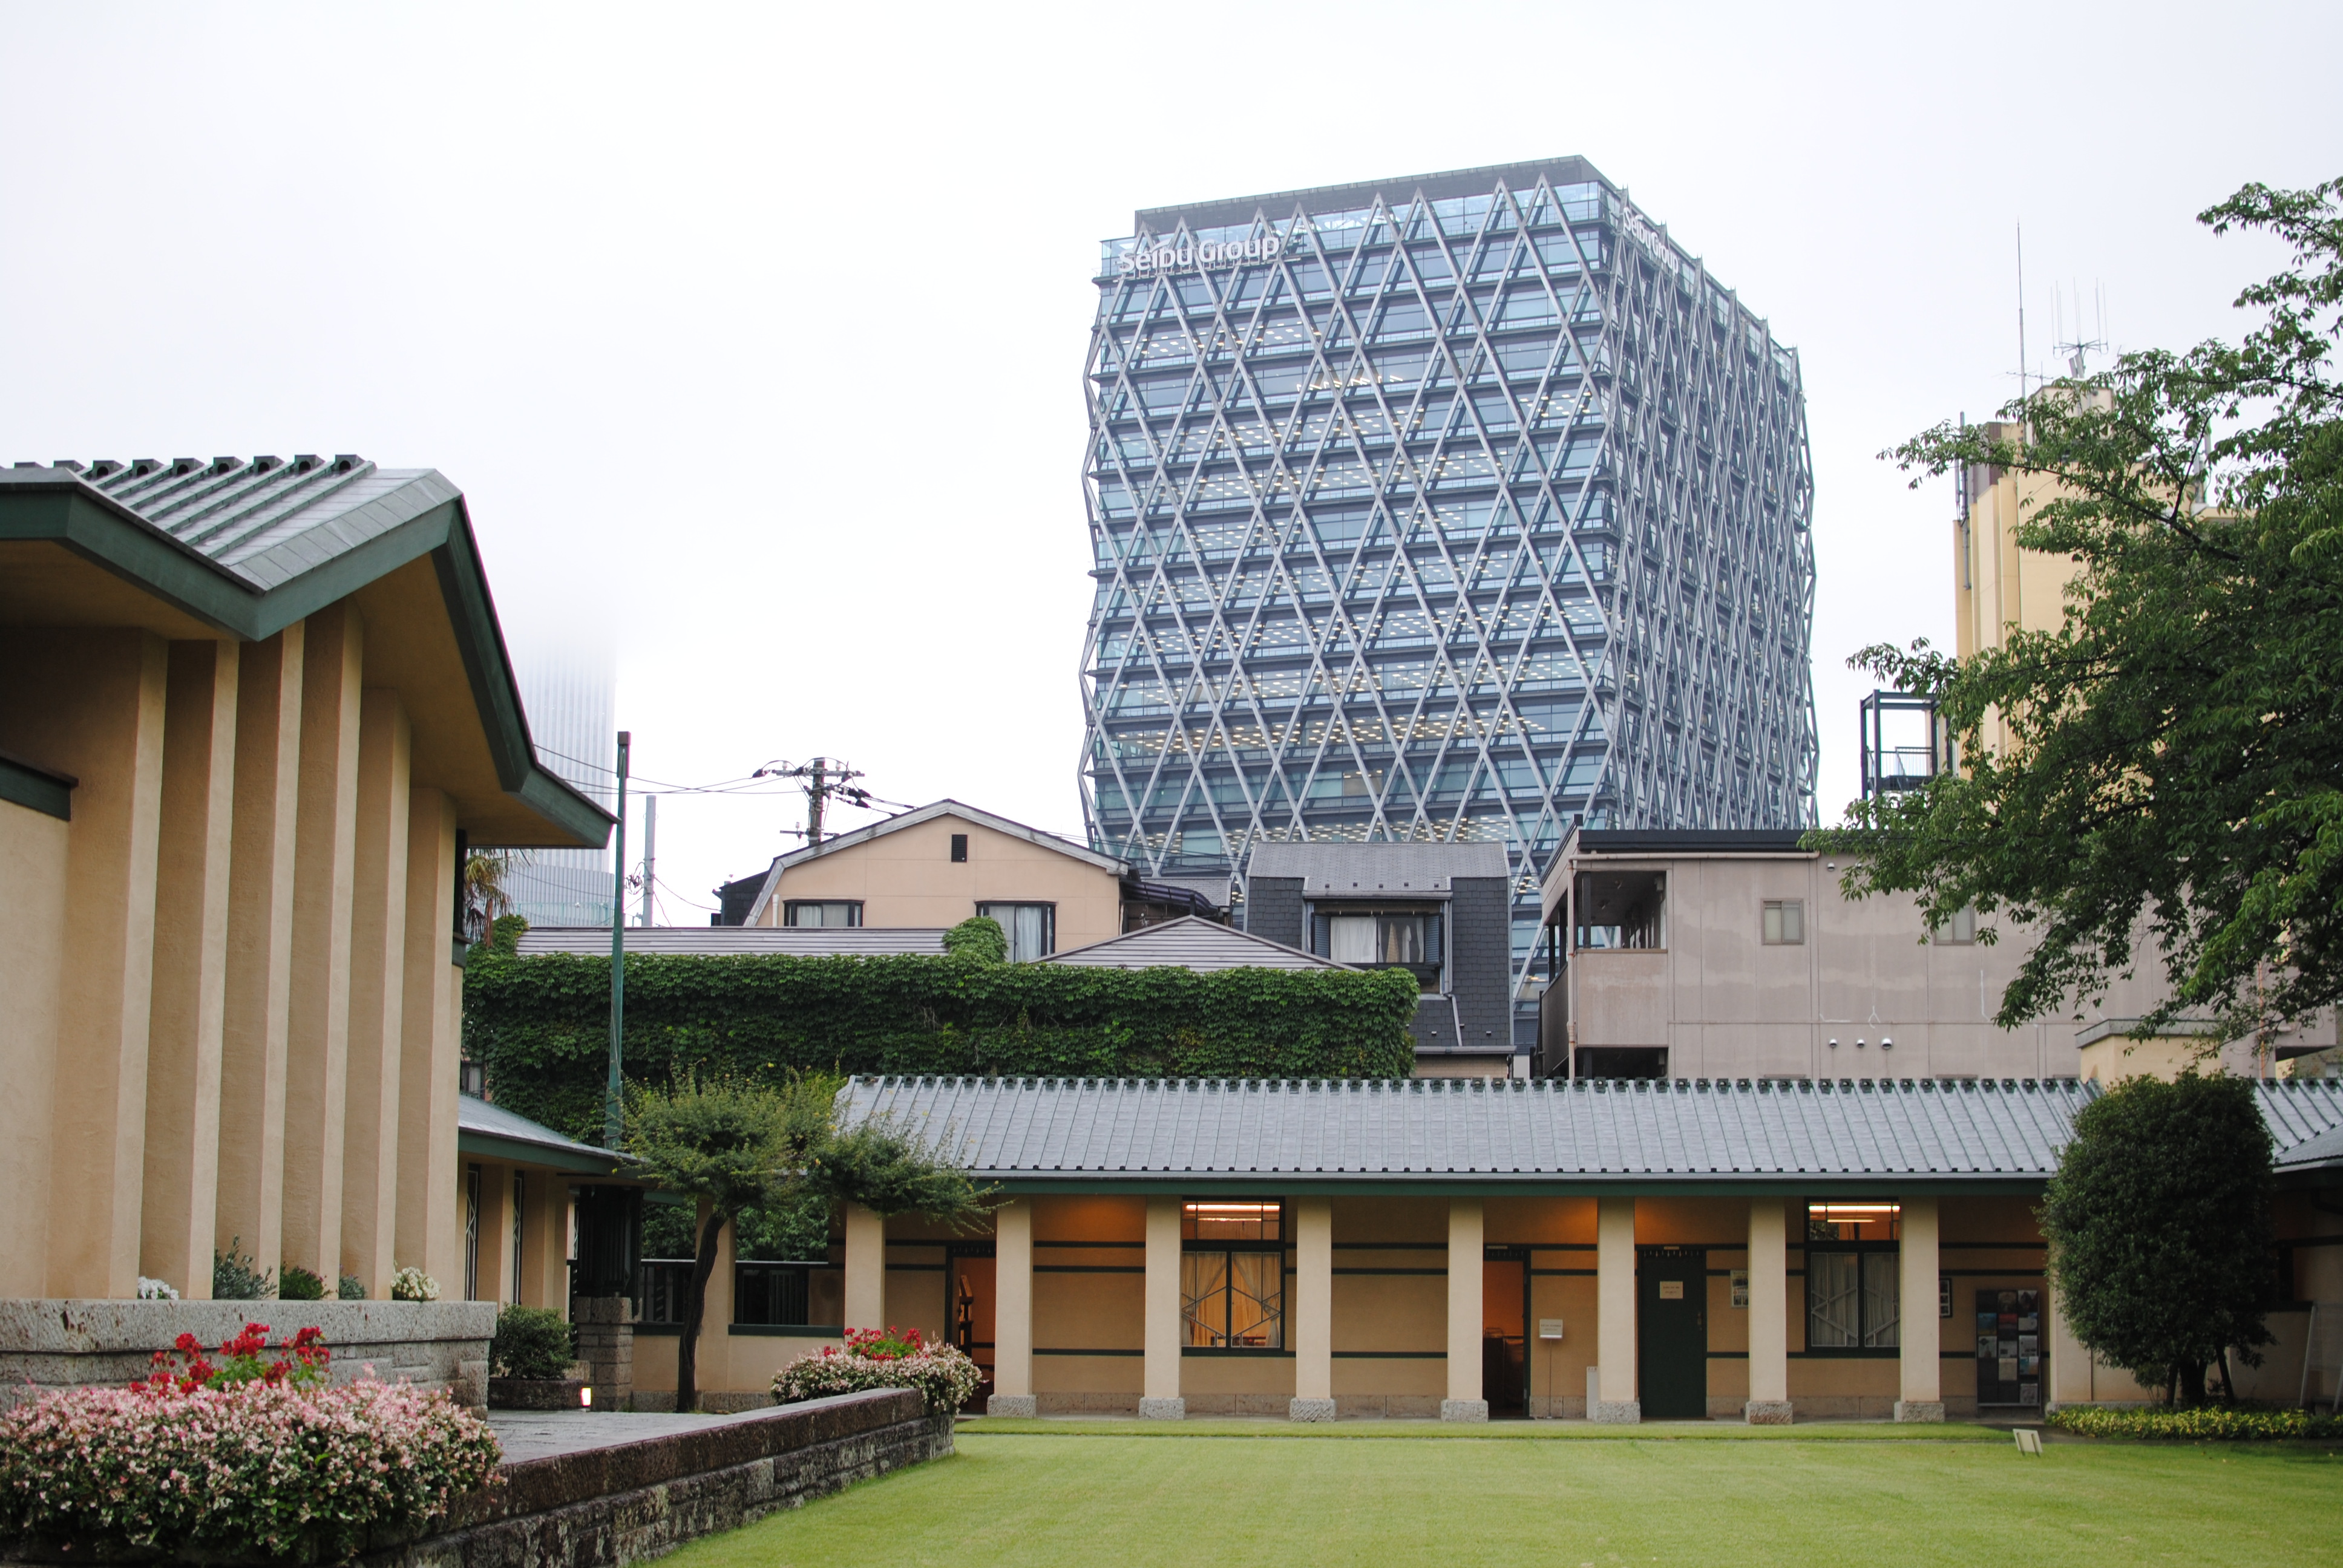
(262,1470)
(532,1342)
(980,939)
(412,1284)
(352,1289)
(236,1278)
(542,1023)
(872,1360)
(296,1284)
(2227,1423)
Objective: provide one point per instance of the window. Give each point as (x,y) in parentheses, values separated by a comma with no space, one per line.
(1379,938)
(1785,922)
(1962,927)
(834,914)
(1853,1294)
(471,1232)
(1233,1275)
(1621,1061)
(1621,909)
(1031,929)
(958,848)
(521,1207)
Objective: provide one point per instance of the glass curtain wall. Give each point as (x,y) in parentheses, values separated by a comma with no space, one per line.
(1439,519)
(570,696)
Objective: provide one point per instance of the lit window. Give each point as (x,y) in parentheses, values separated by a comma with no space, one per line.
(1233,1275)
(1785,922)
(1854,1297)
(836,914)
(1031,929)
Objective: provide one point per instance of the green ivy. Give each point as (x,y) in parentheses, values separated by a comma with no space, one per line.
(542,1023)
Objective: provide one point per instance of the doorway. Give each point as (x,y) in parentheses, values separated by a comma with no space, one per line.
(1504,1320)
(1672,1333)
(970,1273)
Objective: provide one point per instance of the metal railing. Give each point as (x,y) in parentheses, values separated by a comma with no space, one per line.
(764,1294)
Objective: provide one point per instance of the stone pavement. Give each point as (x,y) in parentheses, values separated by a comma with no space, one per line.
(541,1434)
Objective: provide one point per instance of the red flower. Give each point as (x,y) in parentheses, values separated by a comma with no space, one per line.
(187,1342)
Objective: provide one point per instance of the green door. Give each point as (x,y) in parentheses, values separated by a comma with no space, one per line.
(1672,1333)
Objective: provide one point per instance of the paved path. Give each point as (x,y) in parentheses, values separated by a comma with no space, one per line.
(540,1434)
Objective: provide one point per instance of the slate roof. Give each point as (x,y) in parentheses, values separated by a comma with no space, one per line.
(482,1128)
(1191,943)
(1498,1134)
(726,941)
(1409,868)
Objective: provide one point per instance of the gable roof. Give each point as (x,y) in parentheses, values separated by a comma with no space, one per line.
(914,818)
(734,942)
(248,547)
(1499,1135)
(1191,943)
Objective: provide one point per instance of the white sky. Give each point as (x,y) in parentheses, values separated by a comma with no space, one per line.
(755,334)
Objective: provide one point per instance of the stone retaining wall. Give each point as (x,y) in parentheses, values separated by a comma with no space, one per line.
(605,1507)
(73,1343)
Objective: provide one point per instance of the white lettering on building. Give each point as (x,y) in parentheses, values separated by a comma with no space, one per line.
(1187,255)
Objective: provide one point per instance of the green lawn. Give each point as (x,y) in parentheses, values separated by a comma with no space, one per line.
(1817,1497)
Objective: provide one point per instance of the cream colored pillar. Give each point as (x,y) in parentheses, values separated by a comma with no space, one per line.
(1160,1397)
(866,1269)
(545,1243)
(1313,1310)
(428,1235)
(1769,1304)
(91,704)
(2072,1375)
(715,1370)
(1465,1253)
(378,937)
(1615,1311)
(1919,1331)
(36,852)
(1012,1310)
(250,1214)
(181,1180)
(316,1058)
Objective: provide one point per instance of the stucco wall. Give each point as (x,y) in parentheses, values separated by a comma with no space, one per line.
(32,868)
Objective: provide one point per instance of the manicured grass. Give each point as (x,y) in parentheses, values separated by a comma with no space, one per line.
(1494,1432)
(1821,1496)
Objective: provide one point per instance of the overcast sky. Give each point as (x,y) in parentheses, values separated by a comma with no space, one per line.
(754,335)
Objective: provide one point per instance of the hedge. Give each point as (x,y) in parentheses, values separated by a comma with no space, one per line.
(542,1023)
(2223,1423)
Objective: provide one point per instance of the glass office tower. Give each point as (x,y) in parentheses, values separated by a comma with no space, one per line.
(1459,507)
(570,690)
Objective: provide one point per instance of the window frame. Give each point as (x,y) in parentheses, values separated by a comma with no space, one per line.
(1778,915)
(1860,1250)
(1049,923)
(789,908)
(1281,1247)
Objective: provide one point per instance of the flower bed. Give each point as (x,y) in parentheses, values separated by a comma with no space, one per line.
(249,1458)
(873,1360)
(2208,1422)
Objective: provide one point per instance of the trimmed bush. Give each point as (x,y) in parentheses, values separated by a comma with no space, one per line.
(236,1278)
(542,1023)
(532,1342)
(296,1284)
(2212,1423)
(872,1360)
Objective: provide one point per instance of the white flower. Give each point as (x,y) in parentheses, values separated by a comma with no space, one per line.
(412,1284)
(155,1290)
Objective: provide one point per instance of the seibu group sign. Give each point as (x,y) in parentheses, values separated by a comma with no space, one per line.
(1186,255)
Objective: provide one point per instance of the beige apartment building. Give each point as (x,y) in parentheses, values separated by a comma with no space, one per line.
(1734,955)
(251,712)
(947,862)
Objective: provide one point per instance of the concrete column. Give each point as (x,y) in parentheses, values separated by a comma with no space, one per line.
(428,1234)
(181,1181)
(1314,1310)
(316,1058)
(1769,1312)
(36,852)
(91,704)
(545,1242)
(1615,1311)
(378,938)
(1012,1310)
(1919,1331)
(1160,1397)
(2072,1376)
(250,1214)
(492,1281)
(1464,1263)
(715,1370)
(866,1269)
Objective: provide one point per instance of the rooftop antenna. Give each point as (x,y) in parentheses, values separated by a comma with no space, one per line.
(2021,319)
(2077,350)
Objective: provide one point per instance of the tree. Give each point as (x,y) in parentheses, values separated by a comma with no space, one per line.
(2177,762)
(738,1145)
(2159,1222)
(485,895)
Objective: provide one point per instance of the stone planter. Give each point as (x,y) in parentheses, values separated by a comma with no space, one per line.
(536,1393)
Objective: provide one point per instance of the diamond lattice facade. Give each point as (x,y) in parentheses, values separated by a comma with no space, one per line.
(1461,507)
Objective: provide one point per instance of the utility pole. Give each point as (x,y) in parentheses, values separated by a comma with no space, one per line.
(813,804)
(650,854)
(613,1111)
(825,776)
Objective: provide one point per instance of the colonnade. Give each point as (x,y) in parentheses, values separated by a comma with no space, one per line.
(1310,1325)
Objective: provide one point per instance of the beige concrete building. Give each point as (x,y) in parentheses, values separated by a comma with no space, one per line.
(946,862)
(1734,955)
(1632,1250)
(251,713)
